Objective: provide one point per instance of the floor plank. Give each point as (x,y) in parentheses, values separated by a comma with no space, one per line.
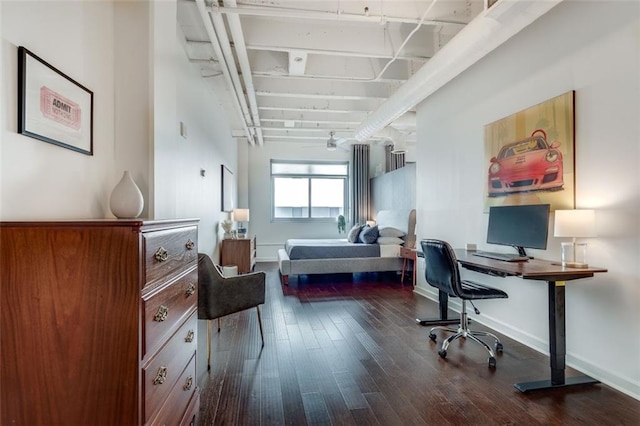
(345,350)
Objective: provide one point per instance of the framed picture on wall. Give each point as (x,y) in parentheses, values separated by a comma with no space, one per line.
(228,191)
(52,107)
(529,156)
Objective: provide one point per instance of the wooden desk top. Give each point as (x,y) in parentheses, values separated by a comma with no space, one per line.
(533,269)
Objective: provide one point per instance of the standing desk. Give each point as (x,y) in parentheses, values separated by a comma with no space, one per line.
(555,275)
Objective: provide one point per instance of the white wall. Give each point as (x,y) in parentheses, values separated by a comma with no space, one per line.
(132,114)
(207,146)
(41,180)
(130,54)
(592,48)
(271,236)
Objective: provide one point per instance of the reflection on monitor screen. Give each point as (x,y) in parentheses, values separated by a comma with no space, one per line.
(524,226)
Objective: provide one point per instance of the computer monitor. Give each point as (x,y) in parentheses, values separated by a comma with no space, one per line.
(524,226)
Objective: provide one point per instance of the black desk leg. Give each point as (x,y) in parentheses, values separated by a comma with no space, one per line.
(557,346)
(443,306)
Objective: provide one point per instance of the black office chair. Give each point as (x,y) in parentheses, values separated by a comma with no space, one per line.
(441,272)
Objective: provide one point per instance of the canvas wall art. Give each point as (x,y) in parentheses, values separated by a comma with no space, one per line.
(529,156)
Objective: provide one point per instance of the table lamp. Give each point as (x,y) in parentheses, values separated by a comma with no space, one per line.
(574,224)
(240,216)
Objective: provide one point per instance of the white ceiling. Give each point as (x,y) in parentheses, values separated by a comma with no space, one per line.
(295,70)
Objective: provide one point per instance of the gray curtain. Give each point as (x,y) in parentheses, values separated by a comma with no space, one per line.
(360,184)
(393,161)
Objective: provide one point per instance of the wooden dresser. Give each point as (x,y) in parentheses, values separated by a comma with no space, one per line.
(98,322)
(240,252)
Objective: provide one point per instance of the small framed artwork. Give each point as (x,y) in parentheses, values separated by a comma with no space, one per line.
(52,107)
(228,190)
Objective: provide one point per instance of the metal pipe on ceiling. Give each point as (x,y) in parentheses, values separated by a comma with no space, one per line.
(238,100)
(243,59)
(278,12)
(225,45)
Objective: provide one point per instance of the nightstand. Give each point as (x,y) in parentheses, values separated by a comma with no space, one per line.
(408,254)
(240,252)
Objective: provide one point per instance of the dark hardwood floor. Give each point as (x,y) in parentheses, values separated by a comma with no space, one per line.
(343,350)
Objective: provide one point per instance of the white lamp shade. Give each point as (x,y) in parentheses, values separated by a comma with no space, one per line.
(575,223)
(240,215)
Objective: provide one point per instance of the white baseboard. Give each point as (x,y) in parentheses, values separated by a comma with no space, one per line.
(617,382)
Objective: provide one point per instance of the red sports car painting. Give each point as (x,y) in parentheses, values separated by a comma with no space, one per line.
(529,164)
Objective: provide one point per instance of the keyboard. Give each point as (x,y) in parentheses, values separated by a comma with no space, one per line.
(507,257)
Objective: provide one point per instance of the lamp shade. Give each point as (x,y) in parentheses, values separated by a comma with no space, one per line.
(240,215)
(575,223)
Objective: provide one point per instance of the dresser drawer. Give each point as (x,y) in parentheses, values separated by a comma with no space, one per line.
(169,251)
(166,308)
(167,367)
(190,418)
(175,408)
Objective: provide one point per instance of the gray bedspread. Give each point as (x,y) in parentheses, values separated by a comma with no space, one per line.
(328,249)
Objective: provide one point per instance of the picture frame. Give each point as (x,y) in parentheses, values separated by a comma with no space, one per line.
(52,107)
(530,156)
(228,193)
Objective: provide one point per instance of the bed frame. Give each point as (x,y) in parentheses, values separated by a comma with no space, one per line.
(356,264)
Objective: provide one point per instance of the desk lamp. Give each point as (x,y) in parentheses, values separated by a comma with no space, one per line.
(240,216)
(574,224)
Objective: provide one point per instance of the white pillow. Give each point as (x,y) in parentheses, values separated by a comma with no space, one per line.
(390,232)
(390,240)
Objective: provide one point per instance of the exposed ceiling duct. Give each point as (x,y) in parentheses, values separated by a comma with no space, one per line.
(481,36)
(397,139)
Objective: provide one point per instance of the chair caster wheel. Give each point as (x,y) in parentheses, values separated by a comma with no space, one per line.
(492,362)
(432,337)
(442,353)
(498,347)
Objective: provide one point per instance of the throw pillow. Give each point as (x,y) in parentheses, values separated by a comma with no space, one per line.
(354,233)
(369,234)
(390,240)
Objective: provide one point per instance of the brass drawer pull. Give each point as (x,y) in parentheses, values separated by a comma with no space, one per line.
(188,383)
(190,244)
(190,336)
(191,289)
(161,376)
(161,254)
(162,314)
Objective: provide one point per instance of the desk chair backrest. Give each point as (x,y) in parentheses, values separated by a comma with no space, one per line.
(219,296)
(441,267)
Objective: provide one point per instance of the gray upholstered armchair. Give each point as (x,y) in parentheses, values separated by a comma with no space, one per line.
(219,296)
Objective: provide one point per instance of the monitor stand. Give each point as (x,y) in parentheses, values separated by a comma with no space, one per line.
(522,252)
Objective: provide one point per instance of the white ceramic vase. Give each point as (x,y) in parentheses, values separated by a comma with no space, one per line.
(126,200)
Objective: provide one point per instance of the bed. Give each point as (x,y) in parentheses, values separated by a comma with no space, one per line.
(333,256)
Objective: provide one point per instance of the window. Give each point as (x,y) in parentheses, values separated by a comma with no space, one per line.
(308,190)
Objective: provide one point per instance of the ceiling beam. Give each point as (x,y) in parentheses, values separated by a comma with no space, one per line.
(374,40)
(279,12)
